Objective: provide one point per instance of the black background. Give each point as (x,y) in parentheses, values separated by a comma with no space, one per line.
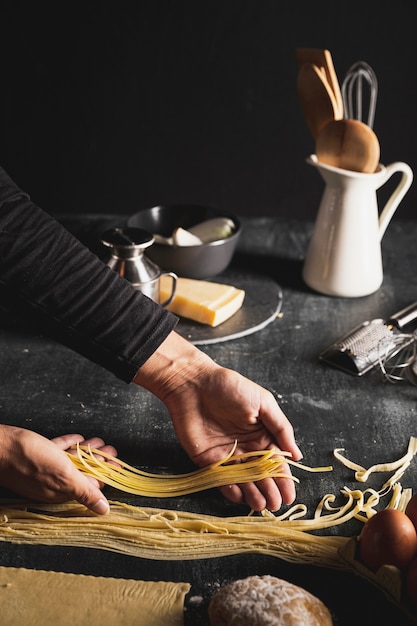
(114,107)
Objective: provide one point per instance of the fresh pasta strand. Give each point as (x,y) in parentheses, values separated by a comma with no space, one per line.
(170,535)
(165,535)
(234,468)
(362,474)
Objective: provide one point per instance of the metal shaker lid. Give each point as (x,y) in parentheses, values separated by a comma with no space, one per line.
(127,254)
(126,240)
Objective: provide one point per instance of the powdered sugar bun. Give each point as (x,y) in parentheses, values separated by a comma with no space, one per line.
(266,601)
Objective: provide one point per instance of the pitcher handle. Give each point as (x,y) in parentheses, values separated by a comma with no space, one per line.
(174,278)
(397,195)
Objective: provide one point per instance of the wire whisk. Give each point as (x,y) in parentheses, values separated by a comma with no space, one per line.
(352,92)
(396,363)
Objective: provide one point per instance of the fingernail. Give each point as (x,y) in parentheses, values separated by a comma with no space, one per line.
(300,453)
(101,507)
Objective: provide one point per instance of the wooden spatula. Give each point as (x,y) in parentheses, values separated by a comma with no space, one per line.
(316,98)
(323,60)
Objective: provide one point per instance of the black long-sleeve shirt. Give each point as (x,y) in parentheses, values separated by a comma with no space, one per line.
(49,275)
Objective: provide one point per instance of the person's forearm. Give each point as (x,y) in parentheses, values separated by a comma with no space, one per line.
(59,284)
(176,362)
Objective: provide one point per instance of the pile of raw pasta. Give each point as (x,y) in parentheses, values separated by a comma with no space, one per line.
(170,535)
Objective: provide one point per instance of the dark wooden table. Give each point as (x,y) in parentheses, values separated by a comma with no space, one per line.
(48,388)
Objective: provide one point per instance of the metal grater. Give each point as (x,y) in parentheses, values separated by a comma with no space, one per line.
(363,348)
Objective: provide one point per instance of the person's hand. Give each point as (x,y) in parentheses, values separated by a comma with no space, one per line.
(212,407)
(37,468)
(226,407)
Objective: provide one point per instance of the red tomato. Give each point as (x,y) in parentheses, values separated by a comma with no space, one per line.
(411,581)
(411,509)
(388,538)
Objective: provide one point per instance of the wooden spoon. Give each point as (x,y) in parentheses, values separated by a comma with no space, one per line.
(316,97)
(348,144)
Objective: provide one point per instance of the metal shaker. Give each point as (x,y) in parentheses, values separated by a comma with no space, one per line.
(128,259)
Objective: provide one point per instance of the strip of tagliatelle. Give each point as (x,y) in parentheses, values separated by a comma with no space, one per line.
(169,535)
(234,468)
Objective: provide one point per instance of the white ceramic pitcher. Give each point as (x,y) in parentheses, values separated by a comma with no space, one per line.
(344,255)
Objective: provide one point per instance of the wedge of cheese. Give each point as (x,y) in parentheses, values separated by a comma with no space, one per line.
(201,300)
